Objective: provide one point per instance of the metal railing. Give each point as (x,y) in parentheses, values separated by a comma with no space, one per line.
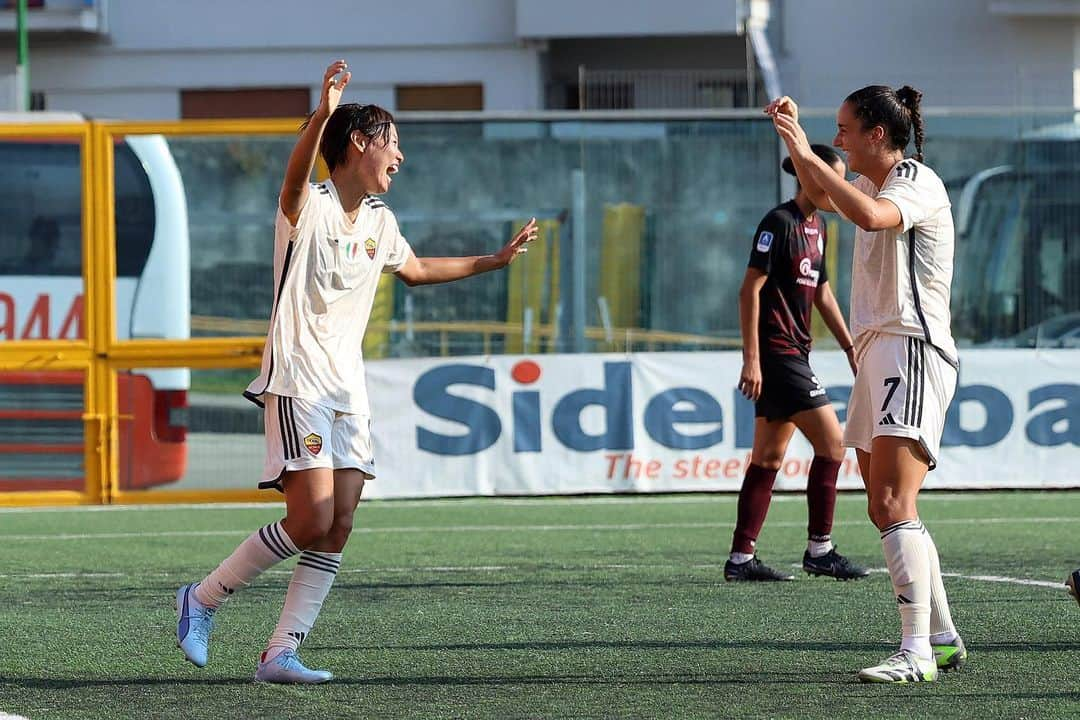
(656,89)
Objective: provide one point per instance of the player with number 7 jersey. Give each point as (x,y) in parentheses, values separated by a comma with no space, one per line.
(900,291)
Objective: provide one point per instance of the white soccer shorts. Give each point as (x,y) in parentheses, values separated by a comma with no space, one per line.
(903,389)
(301,435)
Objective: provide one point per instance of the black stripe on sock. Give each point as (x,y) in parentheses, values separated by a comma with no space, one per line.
(280,535)
(320,562)
(320,557)
(313,566)
(903,525)
(268,541)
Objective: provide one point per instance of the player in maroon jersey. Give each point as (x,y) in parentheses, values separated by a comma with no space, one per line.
(784,281)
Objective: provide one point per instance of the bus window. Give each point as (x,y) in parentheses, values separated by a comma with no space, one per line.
(41,202)
(134,213)
(41,297)
(986,281)
(1018,260)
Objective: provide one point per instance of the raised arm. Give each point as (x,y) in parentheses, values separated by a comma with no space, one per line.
(434,270)
(294,189)
(868,213)
(826,304)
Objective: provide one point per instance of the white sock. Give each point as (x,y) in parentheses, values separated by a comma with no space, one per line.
(262,550)
(942,630)
(909,567)
(817,548)
(740,558)
(311,581)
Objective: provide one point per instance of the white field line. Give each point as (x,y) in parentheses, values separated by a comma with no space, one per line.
(535,502)
(519,568)
(992,579)
(502,528)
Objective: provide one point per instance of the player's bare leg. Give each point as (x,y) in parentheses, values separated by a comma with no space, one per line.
(310,500)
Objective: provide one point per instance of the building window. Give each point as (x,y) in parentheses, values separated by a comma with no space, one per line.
(245,103)
(439,97)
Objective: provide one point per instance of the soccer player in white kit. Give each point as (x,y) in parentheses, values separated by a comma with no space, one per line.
(904,350)
(332,242)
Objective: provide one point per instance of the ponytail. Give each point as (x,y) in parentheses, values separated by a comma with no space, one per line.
(911,99)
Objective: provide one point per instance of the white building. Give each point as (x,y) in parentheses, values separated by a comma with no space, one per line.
(164,59)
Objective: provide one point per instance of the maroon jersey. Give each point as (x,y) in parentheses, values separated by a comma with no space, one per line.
(790,249)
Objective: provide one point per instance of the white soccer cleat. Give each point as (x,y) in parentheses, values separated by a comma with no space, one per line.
(902,667)
(285,667)
(194,623)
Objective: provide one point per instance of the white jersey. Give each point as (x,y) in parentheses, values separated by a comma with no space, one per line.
(902,277)
(326,271)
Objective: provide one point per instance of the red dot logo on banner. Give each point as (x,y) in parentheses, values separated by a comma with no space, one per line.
(526,372)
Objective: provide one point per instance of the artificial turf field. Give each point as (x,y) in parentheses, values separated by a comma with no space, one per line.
(588,607)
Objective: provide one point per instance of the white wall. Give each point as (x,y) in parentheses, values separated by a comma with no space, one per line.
(155,48)
(956,51)
(625,18)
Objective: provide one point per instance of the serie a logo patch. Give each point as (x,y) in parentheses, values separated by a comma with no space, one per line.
(764,241)
(313,443)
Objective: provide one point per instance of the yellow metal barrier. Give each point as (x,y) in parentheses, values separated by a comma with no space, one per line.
(622,249)
(100,356)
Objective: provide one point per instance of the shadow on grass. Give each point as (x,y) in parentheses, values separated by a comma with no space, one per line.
(559,645)
(768,645)
(39,683)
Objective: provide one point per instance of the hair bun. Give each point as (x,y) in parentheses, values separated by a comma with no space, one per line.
(909,96)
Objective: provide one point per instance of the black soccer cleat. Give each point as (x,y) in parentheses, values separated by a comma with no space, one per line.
(753,570)
(833,564)
(1073,583)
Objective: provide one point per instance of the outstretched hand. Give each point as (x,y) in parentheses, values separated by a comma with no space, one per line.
(518,244)
(334,81)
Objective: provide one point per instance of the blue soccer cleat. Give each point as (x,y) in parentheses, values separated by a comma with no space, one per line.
(194,623)
(285,667)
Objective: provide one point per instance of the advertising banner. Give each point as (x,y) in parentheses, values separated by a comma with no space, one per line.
(674,422)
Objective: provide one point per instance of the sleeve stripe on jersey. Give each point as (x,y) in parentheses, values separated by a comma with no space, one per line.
(907,169)
(915,285)
(918,304)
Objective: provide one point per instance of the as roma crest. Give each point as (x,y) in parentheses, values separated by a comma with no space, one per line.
(313,443)
(369,245)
